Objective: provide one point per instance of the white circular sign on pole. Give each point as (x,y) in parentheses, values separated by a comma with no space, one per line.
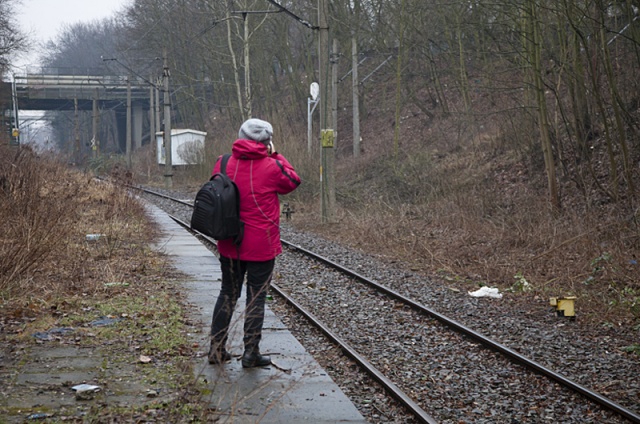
(314,90)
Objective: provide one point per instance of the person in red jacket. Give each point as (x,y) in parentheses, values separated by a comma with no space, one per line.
(261,174)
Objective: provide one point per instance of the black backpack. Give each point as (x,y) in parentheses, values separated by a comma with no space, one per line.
(216,210)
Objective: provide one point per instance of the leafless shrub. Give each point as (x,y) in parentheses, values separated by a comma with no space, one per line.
(479,218)
(46,213)
(37,212)
(192,153)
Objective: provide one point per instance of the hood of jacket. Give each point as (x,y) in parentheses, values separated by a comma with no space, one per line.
(248,149)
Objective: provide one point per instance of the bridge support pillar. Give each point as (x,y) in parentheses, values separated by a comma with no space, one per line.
(95,144)
(121,125)
(138,119)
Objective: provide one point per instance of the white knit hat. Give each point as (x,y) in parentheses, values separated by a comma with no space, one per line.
(257,130)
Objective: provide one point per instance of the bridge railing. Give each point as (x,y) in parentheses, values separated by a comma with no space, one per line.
(85,81)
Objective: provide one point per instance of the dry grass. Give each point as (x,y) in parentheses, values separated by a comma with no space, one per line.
(477,213)
(52,276)
(46,213)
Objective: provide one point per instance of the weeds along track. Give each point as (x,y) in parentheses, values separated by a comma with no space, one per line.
(438,364)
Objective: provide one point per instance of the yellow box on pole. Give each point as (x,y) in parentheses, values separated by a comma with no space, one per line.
(327,138)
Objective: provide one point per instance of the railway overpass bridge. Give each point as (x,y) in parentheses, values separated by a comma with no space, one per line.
(128,97)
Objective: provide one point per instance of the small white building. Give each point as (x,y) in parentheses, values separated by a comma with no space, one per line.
(187,147)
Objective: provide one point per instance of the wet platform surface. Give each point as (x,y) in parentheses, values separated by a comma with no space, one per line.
(295,390)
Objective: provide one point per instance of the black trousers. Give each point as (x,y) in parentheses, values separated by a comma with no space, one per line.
(258,276)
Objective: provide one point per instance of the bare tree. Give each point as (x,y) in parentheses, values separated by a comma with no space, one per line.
(81,47)
(557,72)
(12,40)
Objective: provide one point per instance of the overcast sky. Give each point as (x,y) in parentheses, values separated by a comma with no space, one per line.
(43,19)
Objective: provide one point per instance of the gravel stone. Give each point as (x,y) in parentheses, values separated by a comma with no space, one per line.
(452,377)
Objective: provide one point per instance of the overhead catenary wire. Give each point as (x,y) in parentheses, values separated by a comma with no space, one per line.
(115,59)
(376,70)
(293,15)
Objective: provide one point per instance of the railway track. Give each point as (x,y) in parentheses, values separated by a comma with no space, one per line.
(419,364)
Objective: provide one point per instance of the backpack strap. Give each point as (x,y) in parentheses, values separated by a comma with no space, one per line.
(223,170)
(223,164)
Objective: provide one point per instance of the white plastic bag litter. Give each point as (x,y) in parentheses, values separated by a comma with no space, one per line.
(486,292)
(85,388)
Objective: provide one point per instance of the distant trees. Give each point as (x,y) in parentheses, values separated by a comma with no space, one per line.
(81,47)
(558,79)
(12,40)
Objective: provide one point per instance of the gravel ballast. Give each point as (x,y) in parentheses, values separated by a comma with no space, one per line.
(449,375)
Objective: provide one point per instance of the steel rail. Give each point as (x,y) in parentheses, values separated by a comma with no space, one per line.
(396,392)
(509,353)
(164,196)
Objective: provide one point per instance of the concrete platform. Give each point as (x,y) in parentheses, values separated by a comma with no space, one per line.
(295,390)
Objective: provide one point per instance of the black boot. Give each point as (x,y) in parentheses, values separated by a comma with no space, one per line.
(218,354)
(252,358)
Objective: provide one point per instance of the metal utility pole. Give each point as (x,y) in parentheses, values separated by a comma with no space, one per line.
(76,149)
(128,138)
(15,133)
(356,97)
(334,90)
(157,106)
(95,145)
(166,132)
(152,118)
(327,135)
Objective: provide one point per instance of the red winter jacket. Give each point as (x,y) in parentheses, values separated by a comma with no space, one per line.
(260,179)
